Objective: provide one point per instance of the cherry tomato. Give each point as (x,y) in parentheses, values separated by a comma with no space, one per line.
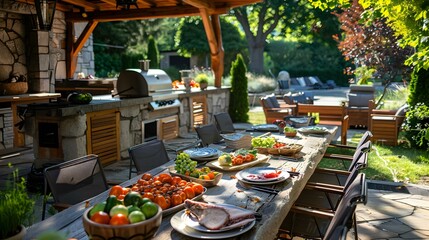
(160,200)
(189,192)
(176,199)
(119,219)
(176,180)
(116,190)
(211,175)
(198,189)
(147,176)
(149,195)
(101,217)
(183,195)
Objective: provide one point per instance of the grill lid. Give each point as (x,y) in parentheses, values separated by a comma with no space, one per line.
(141,83)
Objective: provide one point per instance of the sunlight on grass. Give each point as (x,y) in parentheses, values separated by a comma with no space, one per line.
(396,164)
(256,118)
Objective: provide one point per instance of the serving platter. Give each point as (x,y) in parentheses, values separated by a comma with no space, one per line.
(256,174)
(239,177)
(179,225)
(205,183)
(174,209)
(192,222)
(266,128)
(260,158)
(203,154)
(313,130)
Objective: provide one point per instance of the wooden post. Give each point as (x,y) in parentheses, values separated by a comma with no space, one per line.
(214,37)
(73,48)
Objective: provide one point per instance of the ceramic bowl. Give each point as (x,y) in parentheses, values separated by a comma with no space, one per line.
(141,230)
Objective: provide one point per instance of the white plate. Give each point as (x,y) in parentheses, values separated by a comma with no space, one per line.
(260,158)
(256,174)
(174,209)
(313,130)
(179,225)
(266,127)
(240,178)
(203,154)
(192,222)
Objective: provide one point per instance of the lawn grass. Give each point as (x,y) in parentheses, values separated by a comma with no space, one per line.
(388,163)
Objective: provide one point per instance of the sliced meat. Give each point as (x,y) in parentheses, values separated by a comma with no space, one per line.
(216,217)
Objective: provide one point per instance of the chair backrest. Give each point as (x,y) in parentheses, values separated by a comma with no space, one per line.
(224,122)
(148,155)
(76,180)
(356,193)
(357,160)
(344,128)
(208,134)
(365,138)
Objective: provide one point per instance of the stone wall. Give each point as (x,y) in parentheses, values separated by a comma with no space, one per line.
(38,55)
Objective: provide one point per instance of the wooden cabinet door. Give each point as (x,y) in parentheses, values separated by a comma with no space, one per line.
(103,135)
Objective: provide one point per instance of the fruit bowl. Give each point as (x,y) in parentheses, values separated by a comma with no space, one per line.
(140,230)
(290,134)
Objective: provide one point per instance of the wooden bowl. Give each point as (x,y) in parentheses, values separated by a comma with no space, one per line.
(205,183)
(262,150)
(14,88)
(141,230)
(290,134)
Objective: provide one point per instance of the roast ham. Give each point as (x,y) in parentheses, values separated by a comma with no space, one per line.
(215,217)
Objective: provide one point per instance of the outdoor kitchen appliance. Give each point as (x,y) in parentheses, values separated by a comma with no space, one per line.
(142,82)
(162,119)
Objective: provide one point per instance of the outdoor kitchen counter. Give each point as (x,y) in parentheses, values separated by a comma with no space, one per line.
(272,208)
(105,102)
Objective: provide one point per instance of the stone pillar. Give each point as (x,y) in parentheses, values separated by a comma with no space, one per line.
(38,62)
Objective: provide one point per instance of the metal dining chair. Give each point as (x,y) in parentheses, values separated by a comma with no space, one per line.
(73,181)
(312,223)
(325,196)
(224,123)
(338,177)
(147,156)
(208,134)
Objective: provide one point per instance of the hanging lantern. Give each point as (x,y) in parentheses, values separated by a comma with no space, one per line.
(45,10)
(126,4)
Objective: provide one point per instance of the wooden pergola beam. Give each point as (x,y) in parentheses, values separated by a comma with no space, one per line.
(85,4)
(73,48)
(214,37)
(139,14)
(201,4)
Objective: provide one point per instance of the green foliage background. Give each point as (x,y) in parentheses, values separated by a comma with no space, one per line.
(153,53)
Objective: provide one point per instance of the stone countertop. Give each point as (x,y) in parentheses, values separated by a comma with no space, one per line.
(105,102)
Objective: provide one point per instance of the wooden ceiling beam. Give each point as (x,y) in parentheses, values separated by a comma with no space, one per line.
(85,4)
(139,14)
(201,4)
(110,2)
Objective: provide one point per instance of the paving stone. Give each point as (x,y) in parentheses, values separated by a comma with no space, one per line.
(422,202)
(381,208)
(416,220)
(392,225)
(369,231)
(415,234)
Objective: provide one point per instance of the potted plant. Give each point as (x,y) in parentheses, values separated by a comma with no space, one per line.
(289,131)
(16,209)
(203,80)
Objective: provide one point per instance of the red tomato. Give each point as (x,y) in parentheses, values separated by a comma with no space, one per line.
(176,180)
(147,176)
(198,189)
(176,199)
(189,192)
(160,200)
(101,217)
(119,219)
(116,190)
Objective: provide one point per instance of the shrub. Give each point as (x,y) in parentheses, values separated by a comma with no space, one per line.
(238,104)
(152,53)
(416,125)
(16,207)
(419,87)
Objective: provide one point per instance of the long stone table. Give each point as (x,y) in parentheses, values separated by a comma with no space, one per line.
(272,208)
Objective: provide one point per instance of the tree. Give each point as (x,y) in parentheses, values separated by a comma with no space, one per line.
(372,46)
(238,107)
(152,53)
(258,22)
(191,39)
